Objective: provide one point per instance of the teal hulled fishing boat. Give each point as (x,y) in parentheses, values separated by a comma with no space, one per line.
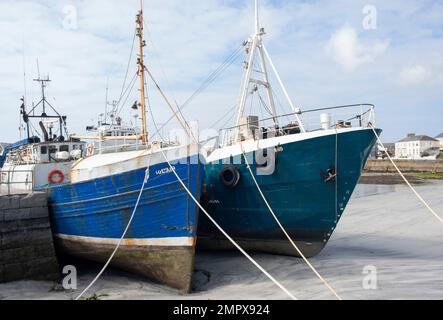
(314,177)
(307,171)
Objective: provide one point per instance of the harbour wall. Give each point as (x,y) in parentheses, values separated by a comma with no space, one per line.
(407,166)
(26,243)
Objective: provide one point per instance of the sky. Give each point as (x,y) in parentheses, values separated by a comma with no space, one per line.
(389,53)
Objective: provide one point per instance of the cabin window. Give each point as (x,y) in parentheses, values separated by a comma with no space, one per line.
(52,149)
(64,148)
(43,149)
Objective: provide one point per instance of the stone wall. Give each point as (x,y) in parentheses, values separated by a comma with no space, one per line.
(415,166)
(26,243)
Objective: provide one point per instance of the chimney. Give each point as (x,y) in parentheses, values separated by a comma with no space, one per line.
(411,135)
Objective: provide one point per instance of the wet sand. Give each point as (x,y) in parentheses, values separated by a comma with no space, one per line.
(383,226)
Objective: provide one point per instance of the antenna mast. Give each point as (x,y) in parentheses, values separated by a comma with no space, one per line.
(141,74)
(254,46)
(43,83)
(257,21)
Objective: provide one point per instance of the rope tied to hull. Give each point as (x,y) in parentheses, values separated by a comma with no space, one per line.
(404,178)
(284,230)
(226,235)
(145,180)
(255,263)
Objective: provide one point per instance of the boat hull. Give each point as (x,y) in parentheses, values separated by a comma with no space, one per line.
(89,218)
(171,265)
(307,205)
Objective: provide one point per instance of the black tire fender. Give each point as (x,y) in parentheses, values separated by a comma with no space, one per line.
(230,176)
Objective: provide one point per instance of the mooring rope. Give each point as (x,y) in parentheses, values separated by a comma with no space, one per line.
(336,175)
(404,178)
(145,180)
(255,263)
(226,235)
(284,230)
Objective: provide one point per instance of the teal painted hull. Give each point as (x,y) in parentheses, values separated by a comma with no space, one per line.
(307,206)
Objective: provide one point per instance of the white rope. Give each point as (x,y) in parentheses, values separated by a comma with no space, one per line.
(336,175)
(404,178)
(121,238)
(226,235)
(284,230)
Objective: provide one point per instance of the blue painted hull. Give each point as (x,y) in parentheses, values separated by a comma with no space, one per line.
(88,219)
(307,206)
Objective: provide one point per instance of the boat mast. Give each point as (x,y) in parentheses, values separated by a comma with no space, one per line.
(141,74)
(253,46)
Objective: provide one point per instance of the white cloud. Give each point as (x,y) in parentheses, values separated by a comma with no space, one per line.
(192,37)
(414,75)
(349,51)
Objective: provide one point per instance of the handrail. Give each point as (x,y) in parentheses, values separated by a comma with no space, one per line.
(8,182)
(311,111)
(341,107)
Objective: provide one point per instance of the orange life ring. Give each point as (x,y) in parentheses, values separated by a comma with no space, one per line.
(58,173)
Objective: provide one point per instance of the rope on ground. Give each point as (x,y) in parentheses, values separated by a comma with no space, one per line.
(404,178)
(284,230)
(145,180)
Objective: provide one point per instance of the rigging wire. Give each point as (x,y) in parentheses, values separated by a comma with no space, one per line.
(231,110)
(213,76)
(209,80)
(264,104)
(128,92)
(127,69)
(157,57)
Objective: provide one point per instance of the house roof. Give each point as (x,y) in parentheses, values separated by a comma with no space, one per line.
(440,135)
(414,137)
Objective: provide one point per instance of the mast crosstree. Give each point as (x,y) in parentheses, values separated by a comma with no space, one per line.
(254,46)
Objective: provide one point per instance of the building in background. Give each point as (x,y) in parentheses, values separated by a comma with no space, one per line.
(417,147)
(440,138)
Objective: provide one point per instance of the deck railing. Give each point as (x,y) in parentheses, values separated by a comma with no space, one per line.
(356,115)
(7,180)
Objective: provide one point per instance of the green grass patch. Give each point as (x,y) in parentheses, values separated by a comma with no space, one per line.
(440,156)
(438,175)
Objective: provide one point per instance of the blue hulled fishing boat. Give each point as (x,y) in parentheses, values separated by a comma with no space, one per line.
(90,214)
(117,191)
(307,171)
(131,186)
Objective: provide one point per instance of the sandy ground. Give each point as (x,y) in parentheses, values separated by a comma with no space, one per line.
(384,227)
